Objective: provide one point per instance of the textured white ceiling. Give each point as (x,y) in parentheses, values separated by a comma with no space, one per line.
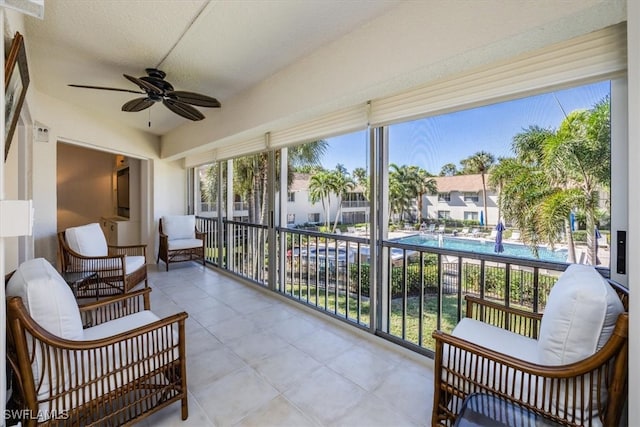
(218,48)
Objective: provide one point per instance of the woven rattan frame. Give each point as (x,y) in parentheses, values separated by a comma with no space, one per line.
(112,278)
(160,378)
(179,255)
(601,378)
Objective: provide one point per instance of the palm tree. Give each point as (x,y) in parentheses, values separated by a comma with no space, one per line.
(209,184)
(555,172)
(320,189)
(402,188)
(480,163)
(305,158)
(575,155)
(362,179)
(341,184)
(425,185)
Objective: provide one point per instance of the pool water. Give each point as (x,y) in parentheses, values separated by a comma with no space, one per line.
(485,246)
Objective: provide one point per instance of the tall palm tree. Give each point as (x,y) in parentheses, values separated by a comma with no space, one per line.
(425,184)
(575,153)
(402,188)
(480,163)
(362,179)
(341,184)
(320,189)
(209,183)
(555,172)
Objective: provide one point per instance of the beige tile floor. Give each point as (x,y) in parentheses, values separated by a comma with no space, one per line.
(255,359)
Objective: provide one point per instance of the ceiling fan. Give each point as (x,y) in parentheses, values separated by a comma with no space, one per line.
(157,89)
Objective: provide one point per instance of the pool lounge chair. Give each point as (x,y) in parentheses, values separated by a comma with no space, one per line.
(475,232)
(515,236)
(464,231)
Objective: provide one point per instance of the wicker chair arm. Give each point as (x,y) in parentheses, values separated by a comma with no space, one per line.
(513,319)
(111,308)
(73,254)
(130,250)
(111,265)
(200,235)
(41,334)
(559,371)
(475,301)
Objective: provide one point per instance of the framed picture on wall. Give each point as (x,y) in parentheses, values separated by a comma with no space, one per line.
(16,82)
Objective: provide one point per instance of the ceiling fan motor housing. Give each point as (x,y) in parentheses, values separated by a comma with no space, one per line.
(156,78)
(157,89)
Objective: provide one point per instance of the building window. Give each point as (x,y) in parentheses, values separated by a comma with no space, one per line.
(470,216)
(353,217)
(444,197)
(471,197)
(291,218)
(444,214)
(291,196)
(314,217)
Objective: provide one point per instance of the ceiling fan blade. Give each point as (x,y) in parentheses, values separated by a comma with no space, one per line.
(138,104)
(194,99)
(146,86)
(106,88)
(184,110)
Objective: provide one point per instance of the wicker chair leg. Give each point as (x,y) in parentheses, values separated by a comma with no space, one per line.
(185,407)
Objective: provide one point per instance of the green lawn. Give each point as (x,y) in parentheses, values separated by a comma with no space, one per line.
(327,301)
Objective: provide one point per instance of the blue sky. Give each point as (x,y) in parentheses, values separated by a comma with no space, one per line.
(435,141)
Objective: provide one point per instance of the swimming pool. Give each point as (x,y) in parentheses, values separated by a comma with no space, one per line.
(484,246)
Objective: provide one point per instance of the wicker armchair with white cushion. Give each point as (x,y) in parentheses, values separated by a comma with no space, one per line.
(109,362)
(180,240)
(119,268)
(568,364)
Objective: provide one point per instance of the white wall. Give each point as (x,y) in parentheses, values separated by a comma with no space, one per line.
(169,196)
(633,237)
(73,125)
(457,207)
(84,185)
(11,174)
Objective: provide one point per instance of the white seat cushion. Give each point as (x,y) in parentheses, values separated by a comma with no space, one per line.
(87,240)
(497,339)
(119,325)
(113,364)
(134,262)
(179,226)
(176,244)
(500,340)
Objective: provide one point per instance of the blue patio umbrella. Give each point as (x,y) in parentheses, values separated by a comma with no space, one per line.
(572,221)
(481,218)
(499,247)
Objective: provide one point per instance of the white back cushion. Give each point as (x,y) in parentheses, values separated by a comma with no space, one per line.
(179,226)
(50,302)
(87,240)
(579,318)
(47,298)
